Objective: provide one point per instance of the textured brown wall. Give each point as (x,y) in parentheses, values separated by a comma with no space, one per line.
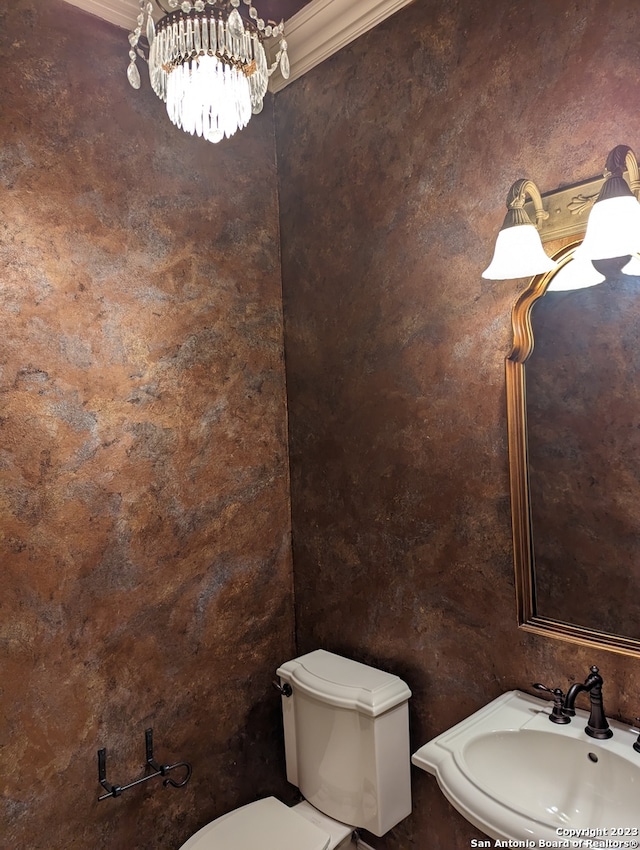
(146,571)
(394,159)
(146,577)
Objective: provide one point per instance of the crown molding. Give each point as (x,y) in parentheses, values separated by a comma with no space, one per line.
(313,34)
(122,13)
(323,27)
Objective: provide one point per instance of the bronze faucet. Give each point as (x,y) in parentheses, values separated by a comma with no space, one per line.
(564,709)
(597,726)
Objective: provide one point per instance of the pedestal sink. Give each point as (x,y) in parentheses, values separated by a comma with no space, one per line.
(516,776)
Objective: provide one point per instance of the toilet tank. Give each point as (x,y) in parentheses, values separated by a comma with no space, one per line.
(346,736)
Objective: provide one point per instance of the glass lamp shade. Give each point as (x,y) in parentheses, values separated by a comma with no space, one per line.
(632,267)
(613,229)
(576,274)
(518,253)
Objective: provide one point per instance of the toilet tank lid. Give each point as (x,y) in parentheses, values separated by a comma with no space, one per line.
(345,683)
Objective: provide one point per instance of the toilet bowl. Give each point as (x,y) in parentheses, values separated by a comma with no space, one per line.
(346,735)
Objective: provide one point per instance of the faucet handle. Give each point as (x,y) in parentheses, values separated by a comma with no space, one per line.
(636,745)
(557,714)
(540,687)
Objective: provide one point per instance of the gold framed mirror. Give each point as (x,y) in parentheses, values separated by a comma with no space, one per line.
(573,416)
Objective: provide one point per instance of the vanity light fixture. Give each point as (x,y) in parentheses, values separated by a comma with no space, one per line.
(207,62)
(519,251)
(613,229)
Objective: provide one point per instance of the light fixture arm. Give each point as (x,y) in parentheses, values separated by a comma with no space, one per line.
(516,200)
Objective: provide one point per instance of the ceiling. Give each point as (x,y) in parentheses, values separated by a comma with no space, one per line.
(278,10)
(314,30)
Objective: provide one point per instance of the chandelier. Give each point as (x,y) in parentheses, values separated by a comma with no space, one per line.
(207,62)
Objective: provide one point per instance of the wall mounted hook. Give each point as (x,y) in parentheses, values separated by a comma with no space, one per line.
(158,770)
(163,769)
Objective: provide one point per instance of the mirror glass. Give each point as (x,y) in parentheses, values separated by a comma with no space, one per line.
(573,388)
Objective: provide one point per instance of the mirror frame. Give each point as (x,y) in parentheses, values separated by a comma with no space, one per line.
(523,548)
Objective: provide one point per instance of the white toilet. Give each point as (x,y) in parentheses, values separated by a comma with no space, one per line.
(346,738)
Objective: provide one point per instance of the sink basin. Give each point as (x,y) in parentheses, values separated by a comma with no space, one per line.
(516,776)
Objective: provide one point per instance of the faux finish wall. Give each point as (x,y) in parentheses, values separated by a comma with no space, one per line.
(145,551)
(394,160)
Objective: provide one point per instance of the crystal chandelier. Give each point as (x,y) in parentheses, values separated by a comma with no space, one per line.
(207,62)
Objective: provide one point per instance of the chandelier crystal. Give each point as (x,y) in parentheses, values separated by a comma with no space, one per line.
(207,62)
